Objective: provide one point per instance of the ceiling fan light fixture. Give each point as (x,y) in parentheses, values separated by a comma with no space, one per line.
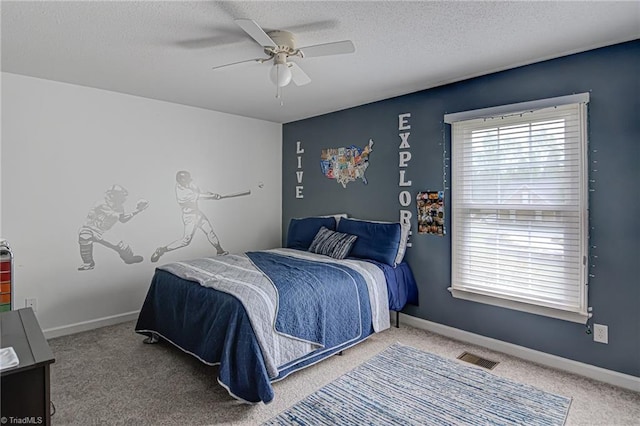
(279,46)
(280,75)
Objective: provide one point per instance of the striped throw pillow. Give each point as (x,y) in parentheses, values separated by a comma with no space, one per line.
(331,243)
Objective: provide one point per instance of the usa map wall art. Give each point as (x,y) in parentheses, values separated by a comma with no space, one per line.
(346,164)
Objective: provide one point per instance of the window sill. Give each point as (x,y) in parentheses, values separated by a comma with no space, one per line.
(520,306)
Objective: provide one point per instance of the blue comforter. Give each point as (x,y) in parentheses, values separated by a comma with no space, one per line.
(210,325)
(215,327)
(317,302)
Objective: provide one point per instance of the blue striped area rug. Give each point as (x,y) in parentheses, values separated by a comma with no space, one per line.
(405,386)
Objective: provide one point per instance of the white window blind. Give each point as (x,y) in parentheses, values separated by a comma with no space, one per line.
(519,211)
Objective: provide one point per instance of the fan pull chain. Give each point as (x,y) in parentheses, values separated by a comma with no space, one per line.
(279,95)
(279,88)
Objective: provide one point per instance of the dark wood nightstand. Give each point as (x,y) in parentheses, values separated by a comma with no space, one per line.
(25,388)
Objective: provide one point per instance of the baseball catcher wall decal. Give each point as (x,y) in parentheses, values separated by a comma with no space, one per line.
(187,195)
(100,219)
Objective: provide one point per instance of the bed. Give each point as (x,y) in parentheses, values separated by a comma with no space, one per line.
(262,315)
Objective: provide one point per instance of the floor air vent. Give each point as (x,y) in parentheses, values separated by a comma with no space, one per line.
(476,360)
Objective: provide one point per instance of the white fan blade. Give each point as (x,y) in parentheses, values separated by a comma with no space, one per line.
(335,48)
(236,63)
(253,29)
(299,77)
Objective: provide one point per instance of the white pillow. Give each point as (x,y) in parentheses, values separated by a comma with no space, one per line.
(404,238)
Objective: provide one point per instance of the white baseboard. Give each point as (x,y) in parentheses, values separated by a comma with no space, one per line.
(597,373)
(89,325)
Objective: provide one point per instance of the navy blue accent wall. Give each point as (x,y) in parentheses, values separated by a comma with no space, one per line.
(611,75)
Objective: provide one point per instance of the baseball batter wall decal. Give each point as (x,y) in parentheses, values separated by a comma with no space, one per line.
(188,195)
(101,219)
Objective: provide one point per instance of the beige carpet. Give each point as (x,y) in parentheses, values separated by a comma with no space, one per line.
(108,376)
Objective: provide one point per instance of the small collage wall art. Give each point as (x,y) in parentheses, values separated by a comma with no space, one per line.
(430,206)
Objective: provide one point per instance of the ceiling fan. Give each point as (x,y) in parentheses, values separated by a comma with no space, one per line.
(280,45)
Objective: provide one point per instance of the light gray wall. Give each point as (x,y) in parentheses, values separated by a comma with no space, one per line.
(63,146)
(611,76)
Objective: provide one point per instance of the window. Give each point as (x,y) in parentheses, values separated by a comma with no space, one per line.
(519,206)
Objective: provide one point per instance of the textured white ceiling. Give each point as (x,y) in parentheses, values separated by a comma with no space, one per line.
(165,50)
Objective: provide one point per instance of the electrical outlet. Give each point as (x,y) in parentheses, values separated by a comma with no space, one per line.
(31,303)
(600,333)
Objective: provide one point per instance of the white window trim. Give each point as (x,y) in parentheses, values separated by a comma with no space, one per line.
(578,317)
(516,108)
(519,306)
